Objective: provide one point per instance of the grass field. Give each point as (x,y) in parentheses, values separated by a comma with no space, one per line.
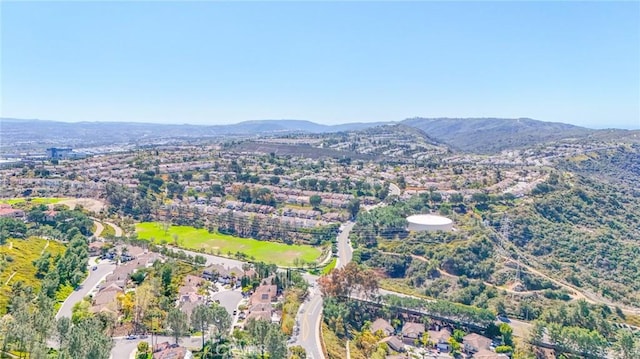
(330,266)
(193,238)
(34,200)
(17,256)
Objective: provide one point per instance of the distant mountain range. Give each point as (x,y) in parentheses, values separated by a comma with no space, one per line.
(474,134)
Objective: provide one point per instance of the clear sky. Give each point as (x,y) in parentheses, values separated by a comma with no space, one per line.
(335,62)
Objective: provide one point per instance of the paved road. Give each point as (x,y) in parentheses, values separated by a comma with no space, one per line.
(94,278)
(308,319)
(394,190)
(310,312)
(229,299)
(345,252)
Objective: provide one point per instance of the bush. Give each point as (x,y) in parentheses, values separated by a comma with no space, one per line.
(504,349)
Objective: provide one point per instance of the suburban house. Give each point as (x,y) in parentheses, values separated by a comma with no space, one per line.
(188,291)
(473,343)
(95,248)
(105,299)
(217,272)
(9,212)
(265,293)
(260,302)
(394,343)
(412,331)
(440,339)
(260,311)
(383,326)
(171,351)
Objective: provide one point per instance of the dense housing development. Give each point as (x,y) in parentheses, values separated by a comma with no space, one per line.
(381,243)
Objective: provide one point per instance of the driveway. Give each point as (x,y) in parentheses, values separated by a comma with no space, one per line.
(91,282)
(124,349)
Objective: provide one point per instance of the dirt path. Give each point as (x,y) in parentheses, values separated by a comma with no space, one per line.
(449,275)
(90,204)
(45,247)
(10,278)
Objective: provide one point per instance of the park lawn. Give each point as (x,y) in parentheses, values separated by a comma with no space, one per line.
(34,200)
(17,256)
(329,267)
(196,239)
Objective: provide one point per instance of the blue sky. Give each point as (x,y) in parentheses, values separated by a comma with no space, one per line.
(218,62)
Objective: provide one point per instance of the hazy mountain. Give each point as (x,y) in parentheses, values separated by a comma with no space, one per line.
(482,135)
(17,134)
(487,135)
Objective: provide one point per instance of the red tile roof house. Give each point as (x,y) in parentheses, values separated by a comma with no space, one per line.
(260,311)
(166,351)
(264,294)
(8,211)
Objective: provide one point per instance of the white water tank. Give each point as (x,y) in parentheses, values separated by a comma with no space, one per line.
(429,222)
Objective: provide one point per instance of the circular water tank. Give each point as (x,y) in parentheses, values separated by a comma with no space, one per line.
(429,222)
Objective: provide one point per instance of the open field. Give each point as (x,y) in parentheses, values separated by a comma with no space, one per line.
(16,257)
(196,239)
(34,200)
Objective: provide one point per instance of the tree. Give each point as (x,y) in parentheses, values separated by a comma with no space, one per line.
(11,228)
(507,334)
(315,200)
(455,346)
(626,346)
(424,340)
(258,330)
(143,350)
(42,264)
(276,343)
(220,318)
(201,318)
(349,280)
(458,335)
(63,326)
(87,340)
(178,323)
(353,207)
(298,352)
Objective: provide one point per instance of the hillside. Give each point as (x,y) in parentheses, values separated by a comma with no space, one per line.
(489,135)
(16,263)
(19,135)
(388,142)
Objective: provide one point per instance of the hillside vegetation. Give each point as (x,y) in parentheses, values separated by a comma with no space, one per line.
(17,258)
(489,135)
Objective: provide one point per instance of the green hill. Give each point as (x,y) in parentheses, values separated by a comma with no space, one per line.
(16,263)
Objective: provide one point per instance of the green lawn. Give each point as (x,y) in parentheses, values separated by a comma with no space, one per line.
(330,266)
(34,200)
(193,238)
